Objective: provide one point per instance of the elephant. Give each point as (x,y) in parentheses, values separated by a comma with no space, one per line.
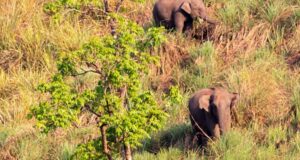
(210,113)
(179,14)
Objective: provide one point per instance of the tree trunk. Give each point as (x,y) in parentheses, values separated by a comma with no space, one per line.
(112,22)
(106,6)
(106,149)
(128,152)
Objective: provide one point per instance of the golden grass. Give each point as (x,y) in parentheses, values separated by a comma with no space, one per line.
(260,79)
(17,94)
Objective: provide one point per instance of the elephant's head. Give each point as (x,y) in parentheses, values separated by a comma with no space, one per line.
(219,104)
(196,8)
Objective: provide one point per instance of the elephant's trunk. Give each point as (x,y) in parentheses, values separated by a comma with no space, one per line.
(224,119)
(205,17)
(216,131)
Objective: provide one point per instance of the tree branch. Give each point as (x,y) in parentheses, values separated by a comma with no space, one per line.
(85,72)
(106,6)
(123,95)
(107,107)
(106,149)
(90,110)
(93,65)
(293,59)
(1,119)
(112,20)
(119,5)
(128,155)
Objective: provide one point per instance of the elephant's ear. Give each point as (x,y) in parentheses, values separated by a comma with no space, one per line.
(204,102)
(234,98)
(186,7)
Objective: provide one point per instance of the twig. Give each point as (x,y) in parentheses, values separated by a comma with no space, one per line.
(85,72)
(200,128)
(119,5)
(90,110)
(293,59)
(106,6)
(97,70)
(112,20)
(106,149)
(75,125)
(1,119)
(123,96)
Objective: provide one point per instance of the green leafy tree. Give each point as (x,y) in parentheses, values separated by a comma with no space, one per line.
(127,112)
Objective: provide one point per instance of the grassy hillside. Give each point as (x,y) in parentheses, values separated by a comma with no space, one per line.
(255,51)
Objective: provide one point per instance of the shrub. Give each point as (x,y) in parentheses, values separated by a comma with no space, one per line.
(118,100)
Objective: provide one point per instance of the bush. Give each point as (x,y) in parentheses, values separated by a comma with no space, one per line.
(122,106)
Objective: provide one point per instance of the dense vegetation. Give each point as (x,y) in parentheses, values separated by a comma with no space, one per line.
(51,89)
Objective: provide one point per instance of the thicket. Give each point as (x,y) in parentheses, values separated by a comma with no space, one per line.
(126,111)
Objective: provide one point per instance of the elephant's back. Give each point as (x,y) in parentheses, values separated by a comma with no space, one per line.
(163,9)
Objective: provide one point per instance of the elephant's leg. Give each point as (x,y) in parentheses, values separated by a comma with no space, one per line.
(195,133)
(188,25)
(194,140)
(200,139)
(204,141)
(179,20)
(216,131)
(198,135)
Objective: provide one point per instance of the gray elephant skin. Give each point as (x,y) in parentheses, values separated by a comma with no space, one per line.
(210,112)
(179,14)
